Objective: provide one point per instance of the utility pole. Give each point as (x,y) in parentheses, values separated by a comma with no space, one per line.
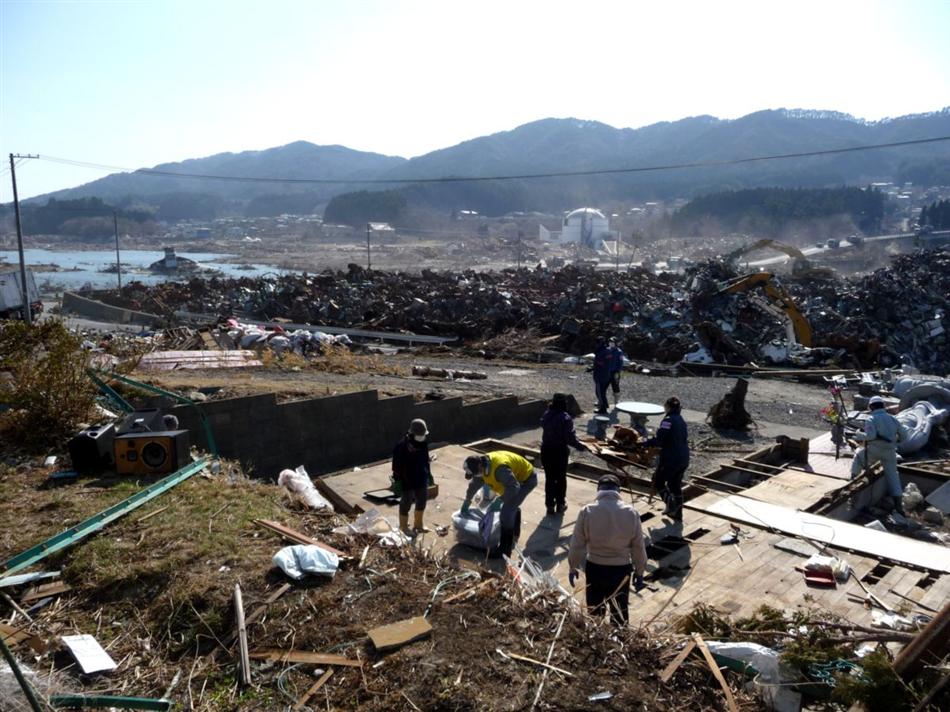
(118,264)
(520,238)
(27,314)
(617,250)
(369,263)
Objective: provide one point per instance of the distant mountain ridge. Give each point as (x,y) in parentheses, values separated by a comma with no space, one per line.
(557,145)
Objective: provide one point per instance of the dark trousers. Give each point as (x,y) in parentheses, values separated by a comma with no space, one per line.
(600,389)
(554,462)
(608,586)
(615,383)
(420,496)
(669,485)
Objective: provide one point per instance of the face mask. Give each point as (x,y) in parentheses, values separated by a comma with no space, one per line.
(419,438)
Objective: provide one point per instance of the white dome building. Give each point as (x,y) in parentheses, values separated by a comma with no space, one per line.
(585,226)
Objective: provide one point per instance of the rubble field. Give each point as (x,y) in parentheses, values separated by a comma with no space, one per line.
(893,315)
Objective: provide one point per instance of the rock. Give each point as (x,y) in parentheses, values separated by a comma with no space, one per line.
(932,515)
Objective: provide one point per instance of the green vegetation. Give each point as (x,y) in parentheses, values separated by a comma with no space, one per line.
(43,384)
(87,217)
(769,210)
(364,206)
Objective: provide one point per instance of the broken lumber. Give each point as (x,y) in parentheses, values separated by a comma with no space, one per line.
(295,536)
(302,656)
(44,590)
(396,635)
(305,697)
(525,659)
(680,658)
(717,673)
(242,636)
(470,591)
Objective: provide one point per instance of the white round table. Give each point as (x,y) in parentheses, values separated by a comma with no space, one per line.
(639,412)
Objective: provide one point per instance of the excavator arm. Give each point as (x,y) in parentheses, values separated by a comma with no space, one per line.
(777,299)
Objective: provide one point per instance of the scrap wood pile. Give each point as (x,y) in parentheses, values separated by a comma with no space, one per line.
(625,446)
(860,322)
(153,595)
(809,655)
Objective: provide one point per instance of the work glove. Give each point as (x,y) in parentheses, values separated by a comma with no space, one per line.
(572,578)
(638,584)
(495,505)
(464,509)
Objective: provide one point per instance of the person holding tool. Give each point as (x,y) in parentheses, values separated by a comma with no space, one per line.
(609,537)
(511,477)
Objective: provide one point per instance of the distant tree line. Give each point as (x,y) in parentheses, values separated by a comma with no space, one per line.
(768,210)
(76,217)
(364,206)
(937,215)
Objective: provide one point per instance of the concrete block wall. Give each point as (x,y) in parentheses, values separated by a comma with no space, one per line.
(335,432)
(92,309)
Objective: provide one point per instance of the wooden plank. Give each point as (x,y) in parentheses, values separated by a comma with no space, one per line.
(305,697)
(675,663)
(45,590)
(242,636)
(302,656)
(297,537)
(836,534)
(717,673)
(396,635)
(470,591)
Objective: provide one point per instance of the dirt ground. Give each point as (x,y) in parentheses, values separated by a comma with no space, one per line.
(779,407)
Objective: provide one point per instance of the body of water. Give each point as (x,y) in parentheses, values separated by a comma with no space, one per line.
(85,267)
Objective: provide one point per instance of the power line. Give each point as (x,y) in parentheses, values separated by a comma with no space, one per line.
(523,176)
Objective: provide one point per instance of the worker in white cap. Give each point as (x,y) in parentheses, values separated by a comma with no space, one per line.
(882,432)
(412,474)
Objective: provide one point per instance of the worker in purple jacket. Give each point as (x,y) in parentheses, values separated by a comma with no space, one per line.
(557,435)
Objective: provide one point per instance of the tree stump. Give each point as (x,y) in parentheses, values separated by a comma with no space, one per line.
(730,413)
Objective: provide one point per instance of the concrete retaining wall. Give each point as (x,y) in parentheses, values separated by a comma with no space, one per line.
(336,432)
(92,309)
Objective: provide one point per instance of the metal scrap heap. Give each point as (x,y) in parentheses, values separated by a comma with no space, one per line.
(892,316)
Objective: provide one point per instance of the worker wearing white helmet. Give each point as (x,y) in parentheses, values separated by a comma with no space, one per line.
(882,432)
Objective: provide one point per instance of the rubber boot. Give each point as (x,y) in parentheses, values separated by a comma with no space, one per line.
(505,545)
(404,524)
(419,526)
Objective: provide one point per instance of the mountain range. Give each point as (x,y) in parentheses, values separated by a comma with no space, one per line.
(559,145)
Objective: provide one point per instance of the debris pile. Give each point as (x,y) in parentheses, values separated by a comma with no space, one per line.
(896,313)
(159,595)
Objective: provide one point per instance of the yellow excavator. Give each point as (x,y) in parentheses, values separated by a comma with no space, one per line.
(801,266)
(777,302)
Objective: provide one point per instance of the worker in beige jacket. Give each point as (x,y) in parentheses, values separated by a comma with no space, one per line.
(608,534)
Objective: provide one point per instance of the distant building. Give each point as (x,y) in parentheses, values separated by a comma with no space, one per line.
(585,226)
(381,232)
(203,233)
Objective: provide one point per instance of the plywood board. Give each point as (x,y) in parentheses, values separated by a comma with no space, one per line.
(821,457)
(940,498)
(837,534)
(794,488)
(396,635)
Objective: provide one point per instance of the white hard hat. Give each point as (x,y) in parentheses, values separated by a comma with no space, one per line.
(875,400)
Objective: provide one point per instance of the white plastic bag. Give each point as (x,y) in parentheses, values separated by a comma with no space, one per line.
(298,483)
(839,568)
(468,529)
(301,559)
(773,675)
(372,522)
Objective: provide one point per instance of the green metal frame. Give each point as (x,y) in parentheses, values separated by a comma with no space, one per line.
(96,522)
(100,378)
(122,703)
(24,683)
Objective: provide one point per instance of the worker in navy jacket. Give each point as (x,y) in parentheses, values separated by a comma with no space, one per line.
(672,439)
(603,371)
(557,435)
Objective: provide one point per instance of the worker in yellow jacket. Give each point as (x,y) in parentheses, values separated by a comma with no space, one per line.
(509,475)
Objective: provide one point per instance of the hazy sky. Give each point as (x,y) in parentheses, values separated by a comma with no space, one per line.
(136,83)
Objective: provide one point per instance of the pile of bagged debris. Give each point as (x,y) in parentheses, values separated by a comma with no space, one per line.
(894,315)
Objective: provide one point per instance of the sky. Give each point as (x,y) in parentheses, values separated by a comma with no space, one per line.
(135,83)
